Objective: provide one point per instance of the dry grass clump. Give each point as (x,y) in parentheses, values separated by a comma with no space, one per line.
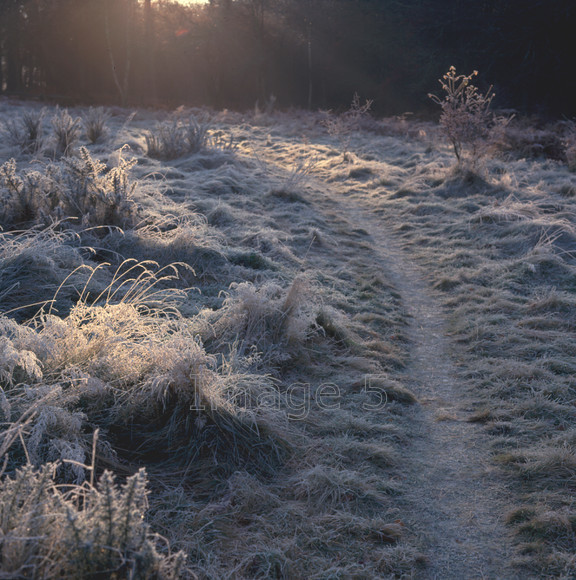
(34,265)
(186,239)
(27,133)
(389,390)
(126,361)
(298,176)
(268,319)
(324,487)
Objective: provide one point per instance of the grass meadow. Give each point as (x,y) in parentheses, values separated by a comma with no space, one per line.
(206,352)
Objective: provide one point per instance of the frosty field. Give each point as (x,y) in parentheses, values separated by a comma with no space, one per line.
(283,346)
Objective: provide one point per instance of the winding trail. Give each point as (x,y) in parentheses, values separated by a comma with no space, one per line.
(455,499)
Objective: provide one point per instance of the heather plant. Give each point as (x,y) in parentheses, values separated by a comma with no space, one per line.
(26,133)
(466,118)
(66,132)
(94,121)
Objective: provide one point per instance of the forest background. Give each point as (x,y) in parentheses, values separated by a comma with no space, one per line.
(240,54)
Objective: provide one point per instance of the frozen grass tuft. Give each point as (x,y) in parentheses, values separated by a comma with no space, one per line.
(66,132)
(34,265)
(94,121)
(268,319)
(26,133)
(176,138)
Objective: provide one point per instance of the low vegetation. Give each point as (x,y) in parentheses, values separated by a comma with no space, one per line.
(203,357)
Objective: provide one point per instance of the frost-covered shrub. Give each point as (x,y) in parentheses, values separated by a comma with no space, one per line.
(25,199)
(79,188)
(466,118)
(97,196)
(48,531)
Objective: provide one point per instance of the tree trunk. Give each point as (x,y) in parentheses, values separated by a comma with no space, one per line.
(310,76)
(122,85)
(149,68)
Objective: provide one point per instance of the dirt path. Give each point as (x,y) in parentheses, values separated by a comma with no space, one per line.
(455,498)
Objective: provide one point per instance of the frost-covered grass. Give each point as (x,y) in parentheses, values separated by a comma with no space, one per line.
(499,246)
(211,315)
(189,315)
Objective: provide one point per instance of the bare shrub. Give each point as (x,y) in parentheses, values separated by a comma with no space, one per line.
(466,118)
(94,121)
(26,133)
(342,126)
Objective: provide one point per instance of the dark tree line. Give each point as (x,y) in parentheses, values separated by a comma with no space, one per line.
(307,53)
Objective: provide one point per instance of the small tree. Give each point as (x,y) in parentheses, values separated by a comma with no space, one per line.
(342,126)
(466,118)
